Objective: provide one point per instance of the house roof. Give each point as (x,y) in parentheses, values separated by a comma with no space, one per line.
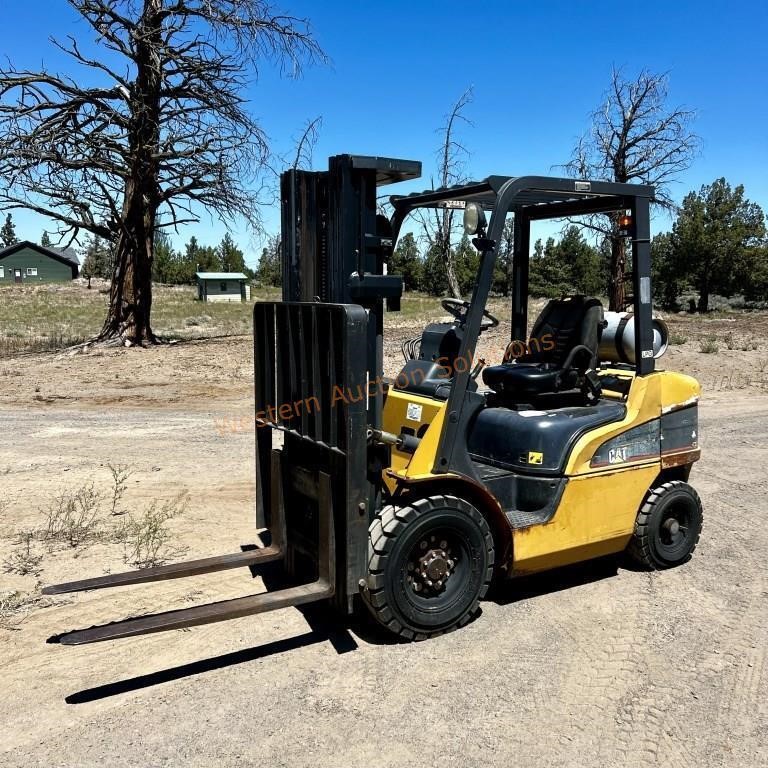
(220,276)
(66,256)
(68,253)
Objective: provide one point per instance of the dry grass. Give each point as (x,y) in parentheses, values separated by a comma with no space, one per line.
(76,519)
(15,606)
(51,317)
(85,516)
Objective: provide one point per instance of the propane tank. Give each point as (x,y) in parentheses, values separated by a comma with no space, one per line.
(617,344)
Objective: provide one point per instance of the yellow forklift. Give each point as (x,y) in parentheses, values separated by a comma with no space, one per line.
(411,495)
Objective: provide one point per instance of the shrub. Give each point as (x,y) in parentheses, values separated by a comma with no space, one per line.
(709,345)
(749,344)
(24,561)
(146,538)
(72,519)
(120,474)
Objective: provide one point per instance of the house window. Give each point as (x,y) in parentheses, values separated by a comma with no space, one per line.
(223,287)
(2,272)
(31,271)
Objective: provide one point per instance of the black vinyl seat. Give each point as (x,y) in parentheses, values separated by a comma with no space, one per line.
(561,354)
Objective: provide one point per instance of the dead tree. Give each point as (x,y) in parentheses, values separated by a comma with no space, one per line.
(161,133)
(305,145)
(634,137)
(451,161)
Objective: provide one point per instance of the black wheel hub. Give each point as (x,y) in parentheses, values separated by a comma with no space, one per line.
(430,565)
(673,531)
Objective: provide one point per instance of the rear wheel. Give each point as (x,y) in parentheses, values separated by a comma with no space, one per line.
(430,564)
(668,526)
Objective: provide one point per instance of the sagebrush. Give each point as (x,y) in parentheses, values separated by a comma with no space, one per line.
(146,537)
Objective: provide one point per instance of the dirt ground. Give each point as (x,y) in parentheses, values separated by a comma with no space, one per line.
(594,665)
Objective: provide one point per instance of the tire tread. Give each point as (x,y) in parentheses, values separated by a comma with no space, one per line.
(383,532)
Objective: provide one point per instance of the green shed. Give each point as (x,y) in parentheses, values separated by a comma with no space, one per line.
(27,263)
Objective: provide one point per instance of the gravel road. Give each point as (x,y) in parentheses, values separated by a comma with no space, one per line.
(590,666)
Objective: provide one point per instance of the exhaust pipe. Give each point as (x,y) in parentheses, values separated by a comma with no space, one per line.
(617,344)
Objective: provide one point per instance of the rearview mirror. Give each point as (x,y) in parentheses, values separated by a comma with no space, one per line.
(474,219)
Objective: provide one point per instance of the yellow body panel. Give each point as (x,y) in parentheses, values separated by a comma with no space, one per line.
(595,517)
(597,511)
(424,416)
(649,396)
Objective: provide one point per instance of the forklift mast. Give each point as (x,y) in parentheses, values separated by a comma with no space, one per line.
(335,245)
(328,359)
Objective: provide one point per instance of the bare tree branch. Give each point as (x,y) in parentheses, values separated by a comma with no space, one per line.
(437,223)
(150,135)
(634,137)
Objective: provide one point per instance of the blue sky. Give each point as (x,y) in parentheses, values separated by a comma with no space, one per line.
(537,71)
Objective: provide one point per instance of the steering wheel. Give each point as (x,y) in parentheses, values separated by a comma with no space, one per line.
(458,309)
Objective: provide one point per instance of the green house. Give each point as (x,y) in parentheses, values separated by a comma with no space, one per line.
(27,263)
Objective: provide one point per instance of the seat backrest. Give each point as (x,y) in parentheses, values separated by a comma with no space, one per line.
(562,325)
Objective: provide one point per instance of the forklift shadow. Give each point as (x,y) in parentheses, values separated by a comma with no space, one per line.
(324,627)
(547,582)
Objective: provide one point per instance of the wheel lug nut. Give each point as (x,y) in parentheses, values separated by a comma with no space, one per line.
(429,583)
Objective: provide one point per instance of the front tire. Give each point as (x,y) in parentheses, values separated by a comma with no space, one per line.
(668,526)
(430,563)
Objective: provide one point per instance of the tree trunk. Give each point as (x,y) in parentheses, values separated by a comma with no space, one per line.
(130,297)
(703,305)
(616,294)
(450,271)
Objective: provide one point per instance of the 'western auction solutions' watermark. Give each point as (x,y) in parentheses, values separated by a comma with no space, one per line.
(273,415)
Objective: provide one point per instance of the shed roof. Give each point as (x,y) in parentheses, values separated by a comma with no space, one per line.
(220,276)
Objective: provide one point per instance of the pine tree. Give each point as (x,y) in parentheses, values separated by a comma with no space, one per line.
(270,269)
(406,261)
(8,233)
(165,265)
(435,273)
(466,259)
(99,259)
(230,257)
(45,241)
(717,233)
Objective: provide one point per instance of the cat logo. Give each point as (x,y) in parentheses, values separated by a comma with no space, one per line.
(535,457)
(618,455)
